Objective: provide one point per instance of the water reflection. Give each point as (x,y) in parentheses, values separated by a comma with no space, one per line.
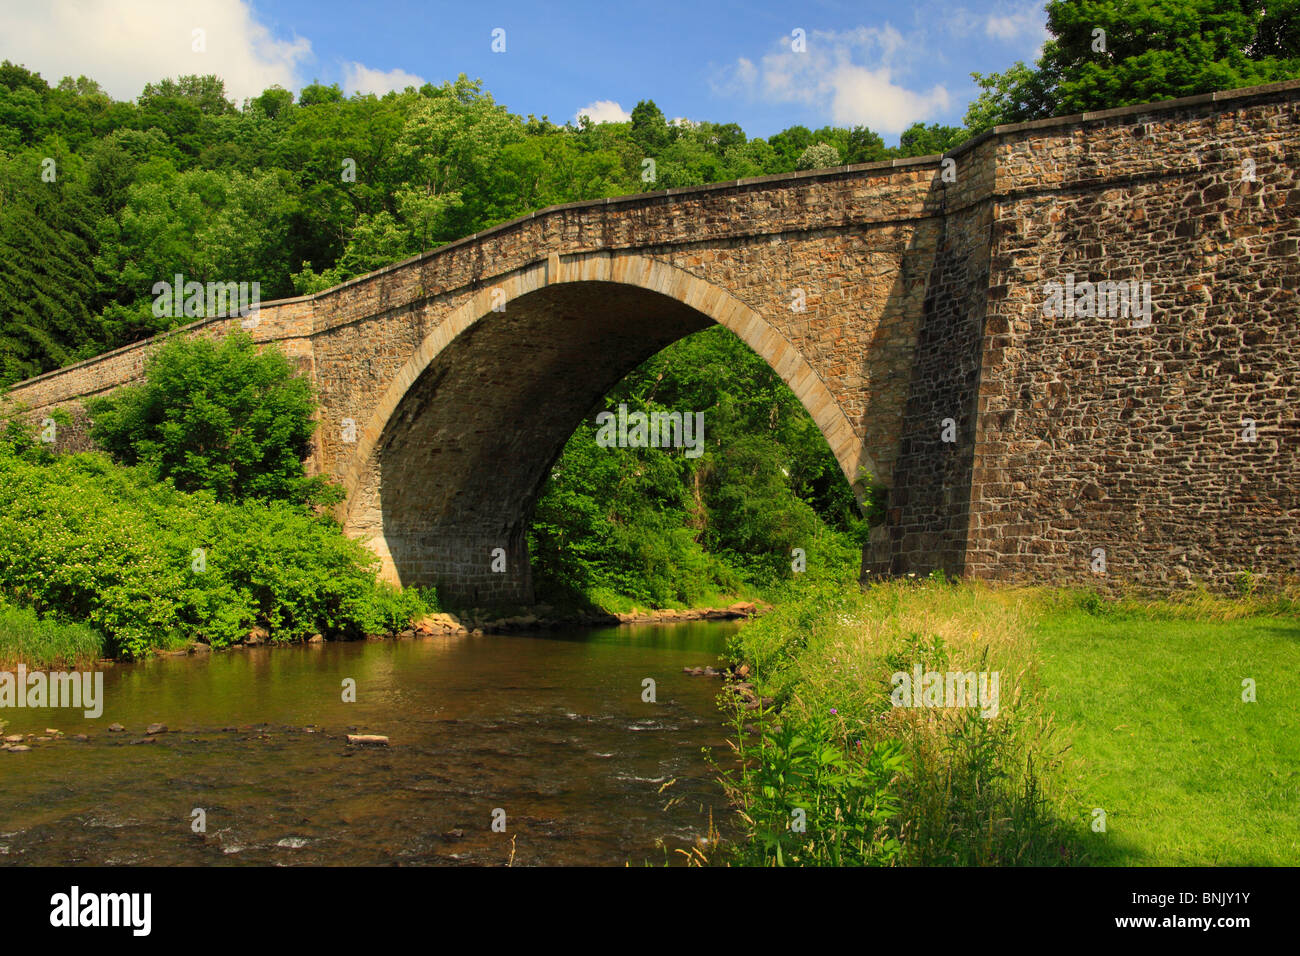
(549,727)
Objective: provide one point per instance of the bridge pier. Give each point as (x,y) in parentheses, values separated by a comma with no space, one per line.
(469,569)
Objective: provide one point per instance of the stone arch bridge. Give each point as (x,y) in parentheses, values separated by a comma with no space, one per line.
(903,302)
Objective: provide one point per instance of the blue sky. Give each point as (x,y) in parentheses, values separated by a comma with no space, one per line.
(879,63)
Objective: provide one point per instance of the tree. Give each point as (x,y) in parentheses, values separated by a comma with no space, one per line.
(274,102)
(818,156)
(1011,96)
(649,128)
(1278,32)
(218,417)
(789,145)
(47,286)
(921,140)
(207,94)
(1108,53)
(205,225)
(864,146)
(317,93)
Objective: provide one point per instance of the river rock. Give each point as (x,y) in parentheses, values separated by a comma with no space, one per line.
(258,635)
(14,739)
(145,740)
(116,728)
(18,749)
(316,639)
(368,740)
(82,737)
(439,624)
(742,670)
(156,729)
(198,647)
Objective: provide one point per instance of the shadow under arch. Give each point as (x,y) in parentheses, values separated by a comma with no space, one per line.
(449,466)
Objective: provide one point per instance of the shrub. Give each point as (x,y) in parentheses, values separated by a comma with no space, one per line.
(809,800)
(219,417)
(818,156)
(149,565)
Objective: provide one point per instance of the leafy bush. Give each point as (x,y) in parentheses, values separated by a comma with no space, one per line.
(818,156)
(807,799)
(221,417)
(152,566)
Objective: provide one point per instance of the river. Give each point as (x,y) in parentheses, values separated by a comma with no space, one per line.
(550,728)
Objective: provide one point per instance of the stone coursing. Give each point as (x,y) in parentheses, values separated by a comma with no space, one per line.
(1096,434)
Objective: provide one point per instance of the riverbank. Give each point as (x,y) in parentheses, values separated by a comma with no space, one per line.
(1097,731)
(26,638)
(35,643)
(545,616)
(478,622)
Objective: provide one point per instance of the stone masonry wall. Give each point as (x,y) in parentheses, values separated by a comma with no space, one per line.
(928,505)
(1097,433)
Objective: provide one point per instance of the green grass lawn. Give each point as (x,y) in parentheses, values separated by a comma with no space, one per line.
(1187,773)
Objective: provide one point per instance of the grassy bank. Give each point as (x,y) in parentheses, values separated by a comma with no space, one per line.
(1187,772)
(1131,707)
(26,638)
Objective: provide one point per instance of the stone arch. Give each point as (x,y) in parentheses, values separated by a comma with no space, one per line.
(363,510)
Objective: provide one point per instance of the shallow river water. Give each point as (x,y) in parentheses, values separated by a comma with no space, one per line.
(551,728)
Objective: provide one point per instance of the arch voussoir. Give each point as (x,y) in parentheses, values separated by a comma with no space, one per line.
(644,272)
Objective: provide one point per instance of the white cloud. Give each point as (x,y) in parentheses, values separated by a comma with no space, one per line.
(603,111)
(871,98)
(1029,21)
(359,78)
(855,72)
(124,46)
